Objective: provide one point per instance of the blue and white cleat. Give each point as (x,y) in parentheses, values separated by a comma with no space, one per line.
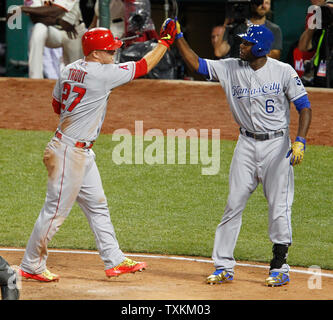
(219,276)
(277,279)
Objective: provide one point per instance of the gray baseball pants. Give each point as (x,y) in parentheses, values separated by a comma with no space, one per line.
(256,162)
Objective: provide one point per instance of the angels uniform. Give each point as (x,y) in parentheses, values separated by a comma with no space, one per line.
(54,37)
(260,103)
(80,96)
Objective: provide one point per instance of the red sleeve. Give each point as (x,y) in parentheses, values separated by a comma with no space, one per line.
(308,16)
(56,106)
(141,68)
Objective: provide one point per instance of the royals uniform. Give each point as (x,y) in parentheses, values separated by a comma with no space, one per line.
(54,37)
(260,103)
(80,97)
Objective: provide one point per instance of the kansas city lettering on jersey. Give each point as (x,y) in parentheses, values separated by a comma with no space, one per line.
(76,75)
(269,88)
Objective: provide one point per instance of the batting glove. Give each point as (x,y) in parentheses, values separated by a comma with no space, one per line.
(167,33)
(297,151)
(179,32)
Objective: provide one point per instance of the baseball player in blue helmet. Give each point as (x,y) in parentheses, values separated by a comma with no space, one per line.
(259,90)
(262,39)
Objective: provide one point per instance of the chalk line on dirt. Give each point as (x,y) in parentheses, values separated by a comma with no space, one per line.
(328,275)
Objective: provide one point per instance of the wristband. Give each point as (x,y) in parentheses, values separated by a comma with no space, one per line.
(179,35)
(301,139)
(164,43)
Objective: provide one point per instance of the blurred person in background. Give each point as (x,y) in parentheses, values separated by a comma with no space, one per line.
(52,62)
(314,51)
(129,19)
(57,24)
(216,38)
(230,44)
(117,17)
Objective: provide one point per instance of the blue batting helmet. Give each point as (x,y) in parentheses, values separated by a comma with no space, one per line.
(262,38)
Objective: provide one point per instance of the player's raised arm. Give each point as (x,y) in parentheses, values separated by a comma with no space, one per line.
(190,57)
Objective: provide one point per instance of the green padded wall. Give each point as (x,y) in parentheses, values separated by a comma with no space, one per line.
(17,41)
(290,16)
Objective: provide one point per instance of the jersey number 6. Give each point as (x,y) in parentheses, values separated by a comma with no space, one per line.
(269,106)
(66,92)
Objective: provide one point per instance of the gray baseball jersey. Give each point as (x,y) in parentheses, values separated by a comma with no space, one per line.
(84,98)
(259,100)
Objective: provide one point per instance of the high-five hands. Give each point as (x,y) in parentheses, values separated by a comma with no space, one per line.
(178,29)
(168,32)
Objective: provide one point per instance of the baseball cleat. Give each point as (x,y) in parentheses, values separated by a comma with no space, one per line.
(127,266)
(277,279)
(46,276)
(219,276)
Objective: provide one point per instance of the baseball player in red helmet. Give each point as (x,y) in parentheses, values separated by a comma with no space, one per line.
(80,97)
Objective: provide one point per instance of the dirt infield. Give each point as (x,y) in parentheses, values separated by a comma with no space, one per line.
(82,278)
(26,105)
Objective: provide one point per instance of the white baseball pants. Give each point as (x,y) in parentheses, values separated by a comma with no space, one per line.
(49,36)
(52,62)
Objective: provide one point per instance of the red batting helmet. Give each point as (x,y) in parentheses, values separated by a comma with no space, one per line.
(99,39)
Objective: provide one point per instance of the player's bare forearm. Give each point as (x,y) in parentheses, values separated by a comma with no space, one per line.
(48,21)
(222,49)
(44,11)
(153,57)
(189,56)
(305,41)
(304,122)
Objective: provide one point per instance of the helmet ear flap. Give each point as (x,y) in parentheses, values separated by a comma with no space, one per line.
(257,51)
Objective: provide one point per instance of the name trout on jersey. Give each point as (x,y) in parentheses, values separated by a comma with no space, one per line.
(76,75)
(79,75)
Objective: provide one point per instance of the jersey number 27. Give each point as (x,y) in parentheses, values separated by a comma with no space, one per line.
(67,89)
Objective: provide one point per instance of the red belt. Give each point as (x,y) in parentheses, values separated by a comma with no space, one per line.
(78,144)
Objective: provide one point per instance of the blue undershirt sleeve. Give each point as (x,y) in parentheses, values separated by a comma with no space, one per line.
(302,102)
(203,67)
